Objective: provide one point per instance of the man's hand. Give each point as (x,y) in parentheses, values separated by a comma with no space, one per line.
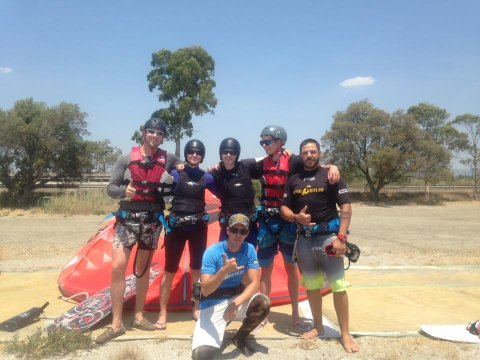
(130,190)
(288,152)
(180,167)
(231,312)
(333,174)
(339,248)
(230,265)
(303,218)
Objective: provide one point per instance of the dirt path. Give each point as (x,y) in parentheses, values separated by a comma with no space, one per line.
(417,262)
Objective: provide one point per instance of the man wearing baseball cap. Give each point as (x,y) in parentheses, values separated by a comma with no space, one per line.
(226,267)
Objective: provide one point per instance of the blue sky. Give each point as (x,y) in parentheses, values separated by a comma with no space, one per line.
(276,62)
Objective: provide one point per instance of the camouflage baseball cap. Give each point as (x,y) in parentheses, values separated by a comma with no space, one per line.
(239,219)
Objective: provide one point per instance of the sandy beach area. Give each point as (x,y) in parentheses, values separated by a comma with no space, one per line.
(419,265)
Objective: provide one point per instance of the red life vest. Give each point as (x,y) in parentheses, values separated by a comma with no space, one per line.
(146,174)
(273,180)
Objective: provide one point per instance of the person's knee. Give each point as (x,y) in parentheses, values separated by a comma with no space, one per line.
(291,271)
(205,352)
(266,271)
(118,270)
(259,307)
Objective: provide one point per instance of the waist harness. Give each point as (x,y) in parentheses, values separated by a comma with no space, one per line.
(326,228)
(265,213)
(175,220)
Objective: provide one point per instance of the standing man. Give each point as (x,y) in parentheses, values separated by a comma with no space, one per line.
(141,208)
(311,203)
(226,266)
(234,182)
(274,233)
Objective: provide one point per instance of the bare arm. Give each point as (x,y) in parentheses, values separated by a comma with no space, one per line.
(253,287)
(210,282)
(340,243)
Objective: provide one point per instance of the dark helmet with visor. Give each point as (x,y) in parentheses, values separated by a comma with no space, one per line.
(229,144)
(155,123)
(276,132)
(196,145)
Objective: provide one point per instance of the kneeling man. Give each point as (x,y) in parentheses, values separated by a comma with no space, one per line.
(226,267)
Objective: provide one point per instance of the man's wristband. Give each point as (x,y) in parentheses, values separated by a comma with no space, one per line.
(343,238)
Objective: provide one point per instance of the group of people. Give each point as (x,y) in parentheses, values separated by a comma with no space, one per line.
(297,216)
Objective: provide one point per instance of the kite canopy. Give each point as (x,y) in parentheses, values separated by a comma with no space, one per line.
(90,269)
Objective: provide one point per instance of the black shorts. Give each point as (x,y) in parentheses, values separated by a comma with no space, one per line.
(175,243)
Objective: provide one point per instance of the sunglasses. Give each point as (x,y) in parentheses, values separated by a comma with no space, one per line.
(194,152)
(229,152)
(236,230)
(156,132)
(266,142)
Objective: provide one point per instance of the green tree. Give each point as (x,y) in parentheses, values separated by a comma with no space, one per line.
(184,81)
(439,140)
(368,142)
(39,144)
(100,156)
(471,124)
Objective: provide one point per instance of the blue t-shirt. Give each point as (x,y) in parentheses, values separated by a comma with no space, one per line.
(212,262)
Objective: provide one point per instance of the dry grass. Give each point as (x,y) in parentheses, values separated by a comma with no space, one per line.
(78,202)
(41,345)
(129,353)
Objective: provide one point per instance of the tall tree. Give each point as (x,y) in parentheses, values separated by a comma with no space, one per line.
(439,140)
(471,124)
(39,144)
(368,142)
(184,81)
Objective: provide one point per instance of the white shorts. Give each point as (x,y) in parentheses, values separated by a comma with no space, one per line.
(210,326)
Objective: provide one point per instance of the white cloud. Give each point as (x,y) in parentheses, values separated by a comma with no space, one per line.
(5,70)
(358,81)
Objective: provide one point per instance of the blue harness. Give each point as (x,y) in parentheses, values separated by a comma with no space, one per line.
(332,227)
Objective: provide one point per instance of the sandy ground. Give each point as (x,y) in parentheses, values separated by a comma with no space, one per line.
(419,265)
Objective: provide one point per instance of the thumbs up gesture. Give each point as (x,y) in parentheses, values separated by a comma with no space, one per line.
(230,265)
(303,218)
(130,190)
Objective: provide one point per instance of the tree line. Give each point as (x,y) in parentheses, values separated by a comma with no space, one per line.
(384,148)
(39,144)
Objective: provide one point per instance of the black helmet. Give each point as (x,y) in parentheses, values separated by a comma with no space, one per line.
(229,144)
(276,132)
(155,123)
(194,144)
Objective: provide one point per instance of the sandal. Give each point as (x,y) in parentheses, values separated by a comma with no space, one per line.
(143,324)
(109,334)
(160,326)
(261,326)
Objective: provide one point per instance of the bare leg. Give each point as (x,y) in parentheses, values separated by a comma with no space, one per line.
(293,284)
(195,274)
(143,262)
(315,302)
(165,288)
(266,282)
(340,301)
(117,286)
